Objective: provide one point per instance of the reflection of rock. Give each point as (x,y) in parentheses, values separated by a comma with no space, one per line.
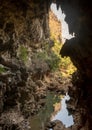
(50,124)
(57,108)
(56,125)
(59,125)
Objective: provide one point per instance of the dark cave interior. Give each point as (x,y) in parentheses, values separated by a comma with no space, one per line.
(18,18)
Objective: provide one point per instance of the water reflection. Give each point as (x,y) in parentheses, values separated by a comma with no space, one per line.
(63,114)
(55,108)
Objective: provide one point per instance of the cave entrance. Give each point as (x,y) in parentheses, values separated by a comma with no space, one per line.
(61,18)
(56,106)
(59,33)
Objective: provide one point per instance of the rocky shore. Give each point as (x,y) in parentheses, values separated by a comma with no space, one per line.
(22,94)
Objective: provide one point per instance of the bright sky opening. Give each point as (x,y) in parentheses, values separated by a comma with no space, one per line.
(61,16)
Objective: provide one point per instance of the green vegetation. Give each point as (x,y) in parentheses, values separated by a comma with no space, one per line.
(2,69)
(23,53)
(46,112)
(49,57)
(66,67)
(54,60)
(51,100)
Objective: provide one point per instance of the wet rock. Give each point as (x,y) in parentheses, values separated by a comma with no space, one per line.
(59,125)
(50,124)
(56,125)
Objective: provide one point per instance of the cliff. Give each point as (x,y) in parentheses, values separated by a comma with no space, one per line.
(55,27)
(24,31)
(79,49)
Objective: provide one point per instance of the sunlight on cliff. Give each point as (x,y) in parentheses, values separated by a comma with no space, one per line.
(61,17)
(59,32)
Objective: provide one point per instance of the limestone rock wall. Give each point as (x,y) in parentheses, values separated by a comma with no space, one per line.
(55,27)
(79,49)
(22,22)
(78,16)
(23,27)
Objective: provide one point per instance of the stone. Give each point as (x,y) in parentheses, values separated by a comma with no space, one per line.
(26,23)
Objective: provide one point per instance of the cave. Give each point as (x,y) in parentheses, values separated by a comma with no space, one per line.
(24,29)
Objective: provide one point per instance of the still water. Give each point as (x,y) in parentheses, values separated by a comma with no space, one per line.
(63,114)
(54,109)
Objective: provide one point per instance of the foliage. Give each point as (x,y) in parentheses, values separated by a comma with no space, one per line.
(23,53)
(65,65)
(2,69)
(51,100)
(49,57)
(54,60)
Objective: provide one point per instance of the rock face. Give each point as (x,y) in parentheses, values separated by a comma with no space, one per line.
(79,49)
(24,29)
(55,27)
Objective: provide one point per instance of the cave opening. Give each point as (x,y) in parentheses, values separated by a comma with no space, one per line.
(64,26)
(30,61)
(59,33)
(54,110)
